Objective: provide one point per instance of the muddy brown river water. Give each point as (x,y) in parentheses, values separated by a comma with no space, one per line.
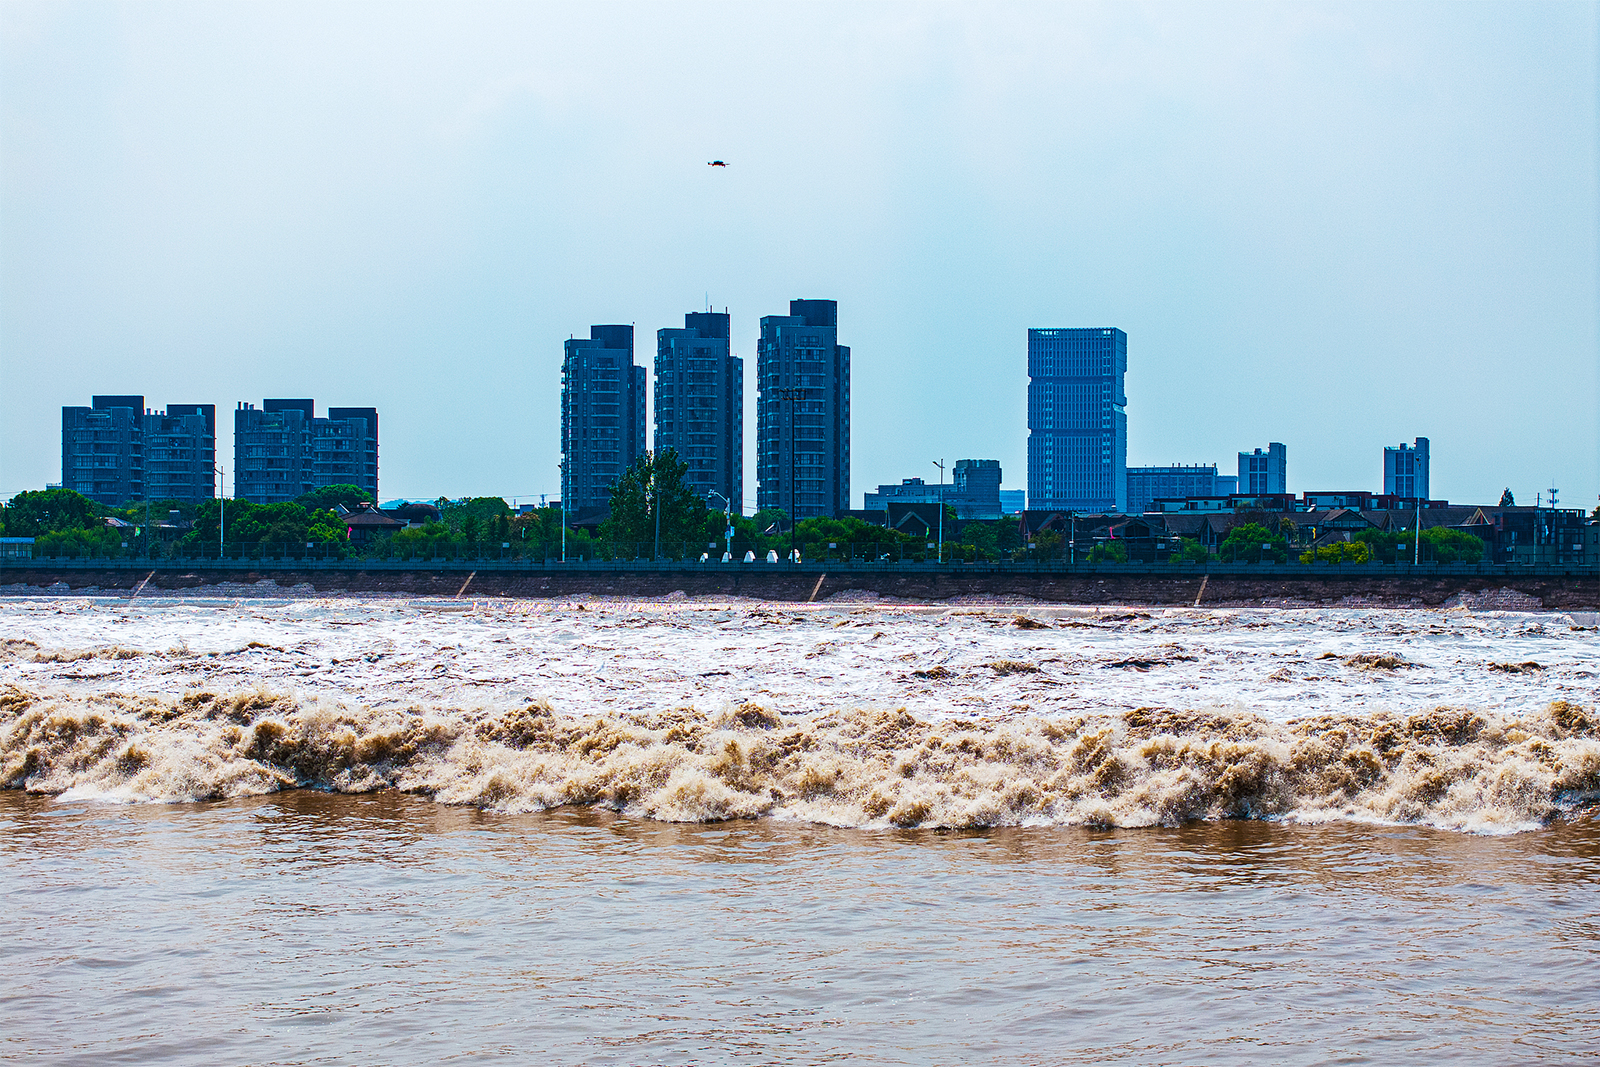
(358,831)
(312,928)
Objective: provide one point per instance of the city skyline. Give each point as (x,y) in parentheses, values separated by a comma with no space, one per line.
(1314,238)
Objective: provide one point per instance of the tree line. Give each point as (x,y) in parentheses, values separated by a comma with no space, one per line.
(654,513)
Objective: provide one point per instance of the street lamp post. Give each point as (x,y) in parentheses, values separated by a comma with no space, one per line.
(1416,535)
(727,518)
(791,393)
(940,464)
(222,511)
(652,499)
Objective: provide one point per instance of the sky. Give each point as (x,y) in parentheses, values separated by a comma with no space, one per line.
(1338,226)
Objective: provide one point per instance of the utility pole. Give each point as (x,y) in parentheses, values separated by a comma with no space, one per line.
(940,464)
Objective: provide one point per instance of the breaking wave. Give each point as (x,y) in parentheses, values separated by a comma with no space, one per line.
(1449,767)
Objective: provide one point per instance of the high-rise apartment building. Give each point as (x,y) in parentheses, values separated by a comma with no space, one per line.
(602,415)
(1077,419)
(1405,470)
(803,412)
(282,450)
(116,451)
(1264,472)
(1169,483)
(180,453)
(699,405)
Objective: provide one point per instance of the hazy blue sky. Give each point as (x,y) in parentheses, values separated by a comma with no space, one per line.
(1336,226)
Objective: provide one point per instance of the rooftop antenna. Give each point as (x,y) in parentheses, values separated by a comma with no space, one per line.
(1552,494)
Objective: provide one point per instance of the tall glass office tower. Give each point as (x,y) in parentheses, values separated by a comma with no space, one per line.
(1077,420)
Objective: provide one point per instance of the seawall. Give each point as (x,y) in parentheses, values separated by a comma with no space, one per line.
(1378,586)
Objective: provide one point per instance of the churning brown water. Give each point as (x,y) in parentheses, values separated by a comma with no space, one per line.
(313,928)
(302,831)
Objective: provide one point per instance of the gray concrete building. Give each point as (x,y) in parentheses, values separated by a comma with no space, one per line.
(1264,472)
(282,450)
(909,491)
(1174,482)
(976,485)
(1405,470)
(602,415)
(803,440)
(1077,420)
(974,491)
(116,451)
(699,406)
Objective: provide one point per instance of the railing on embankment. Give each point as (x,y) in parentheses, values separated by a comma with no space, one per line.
(1554,586)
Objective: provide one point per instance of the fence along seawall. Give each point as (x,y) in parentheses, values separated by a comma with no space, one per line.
(1479,585)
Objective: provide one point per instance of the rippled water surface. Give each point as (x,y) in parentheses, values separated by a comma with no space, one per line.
(305,927)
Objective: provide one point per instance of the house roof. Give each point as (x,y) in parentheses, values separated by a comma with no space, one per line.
(370,518)
(904,514)
(414,512)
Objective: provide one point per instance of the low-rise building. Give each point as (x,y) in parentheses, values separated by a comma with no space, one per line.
(16,548)
(365,523)
(1536,535)
(974,491)
(1147,484)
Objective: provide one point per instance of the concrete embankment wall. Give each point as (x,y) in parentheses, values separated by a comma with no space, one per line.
(1155,585)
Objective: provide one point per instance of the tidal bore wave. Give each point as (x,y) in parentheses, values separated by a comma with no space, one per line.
(1449,767)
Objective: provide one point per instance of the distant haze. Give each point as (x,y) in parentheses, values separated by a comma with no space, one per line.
(1334,226)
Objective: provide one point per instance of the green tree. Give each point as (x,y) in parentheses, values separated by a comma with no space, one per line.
(983,538)
(1509,501)
(432,540)
(263,529)
(97,541)
(1445,545)
(1008,533)
(329,497)
(1253,543)
(652,498)
(857,538)
(1049,545)
(1189,550)
(1338,552)
(1383,546)
(484,509)
(1109,552)
(1439,544)
(35,512)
